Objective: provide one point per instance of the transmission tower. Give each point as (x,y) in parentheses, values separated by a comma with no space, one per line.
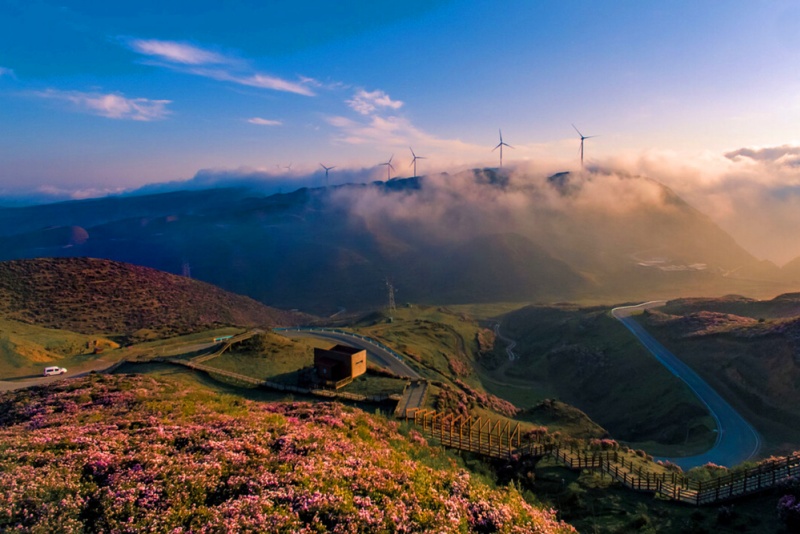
(390,287)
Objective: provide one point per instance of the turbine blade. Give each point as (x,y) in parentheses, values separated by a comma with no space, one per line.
(577,130)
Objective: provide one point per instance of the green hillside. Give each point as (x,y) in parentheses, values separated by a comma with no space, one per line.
(25,349)
(584,357)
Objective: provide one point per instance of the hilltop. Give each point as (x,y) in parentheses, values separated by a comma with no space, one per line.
(141,453)
(90,296)
(484,235)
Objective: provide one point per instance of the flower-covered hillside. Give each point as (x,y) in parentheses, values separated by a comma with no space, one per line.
(136,454)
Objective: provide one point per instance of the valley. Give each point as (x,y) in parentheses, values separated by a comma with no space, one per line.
(528,338)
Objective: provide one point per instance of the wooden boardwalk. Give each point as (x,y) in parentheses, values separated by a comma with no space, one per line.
(414,395)
(501,439)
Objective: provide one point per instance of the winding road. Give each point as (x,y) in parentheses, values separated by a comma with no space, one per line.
(510,343)
(737,441)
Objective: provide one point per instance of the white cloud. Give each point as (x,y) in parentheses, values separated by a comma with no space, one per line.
(752,193)
(57,193)
(176,52)
(4,71)
(261,81)
(779,155)
(193,59)
(398,132)
(366,102)
(264,122)
(111,105)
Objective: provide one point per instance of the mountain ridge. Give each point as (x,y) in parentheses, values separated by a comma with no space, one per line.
(599,235)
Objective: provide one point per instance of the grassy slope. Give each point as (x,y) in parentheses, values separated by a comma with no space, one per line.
(753,364)
(587,503)
(587,359)
(445,342)
(135,452)
(89,296)
(26,349)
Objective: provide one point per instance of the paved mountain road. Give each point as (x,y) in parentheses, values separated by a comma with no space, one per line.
(737,441)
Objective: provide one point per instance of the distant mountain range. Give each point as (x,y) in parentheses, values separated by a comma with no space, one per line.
(477,236)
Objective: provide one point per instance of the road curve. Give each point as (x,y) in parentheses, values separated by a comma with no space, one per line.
(737,441)
(375,353)
(510,343)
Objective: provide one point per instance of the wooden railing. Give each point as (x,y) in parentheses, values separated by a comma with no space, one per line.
(499,439)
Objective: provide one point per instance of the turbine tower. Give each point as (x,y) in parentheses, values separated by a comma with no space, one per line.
(583,138)
(500,145)
(327,169)
(414,161)
(389,168)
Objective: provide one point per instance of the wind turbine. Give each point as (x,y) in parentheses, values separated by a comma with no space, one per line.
(414,161)
(327,169)
(288,167)
(389,168)
(583,138)
(500,145)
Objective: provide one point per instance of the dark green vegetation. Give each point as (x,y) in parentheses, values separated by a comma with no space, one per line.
(478,236)
(595,505)
(584,357)
(94,296)
(748,350)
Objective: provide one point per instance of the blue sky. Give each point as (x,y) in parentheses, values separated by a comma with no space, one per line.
(98,97)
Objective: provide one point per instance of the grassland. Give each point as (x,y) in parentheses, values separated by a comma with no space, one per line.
(580,356)
(26,349)
(750,360)
(443,341)
(584,357)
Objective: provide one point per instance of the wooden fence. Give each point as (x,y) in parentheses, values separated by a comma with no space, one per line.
(499,439)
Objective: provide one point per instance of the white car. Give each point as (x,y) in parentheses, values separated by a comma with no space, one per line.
(50,371)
